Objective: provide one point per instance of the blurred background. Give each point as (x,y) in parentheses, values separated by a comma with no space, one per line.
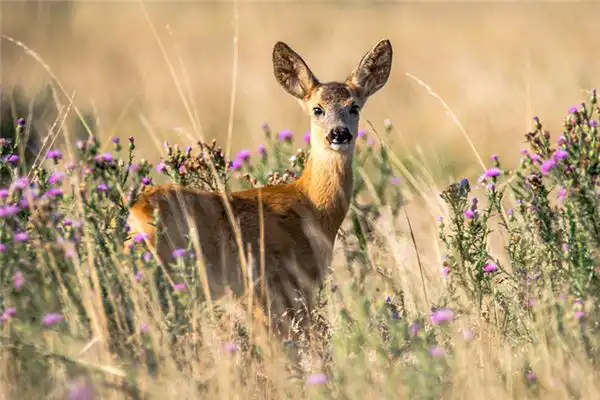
(496,65)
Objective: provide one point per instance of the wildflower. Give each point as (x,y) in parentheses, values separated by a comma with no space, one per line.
(182,170)
(116,140)
(470,214)
(161,168)
(236,165)
(307,138)
(9,211)
(54,193)
(494,158)
(188,151)
(394,180)
(179,253)
(286,136)
(134,168)
(593,124)
(262,150)
(468,335)
(3,248)
(8,313)
(579,315)
(317,379)
(561,140)
(547,166)
(442,316)
(490,268)
(179,287)
(18,280)
(4,194)
(144,328)
(531,377)
(231,348)
(21,122)
(138,276)
(362,134)
(560,155)
(21,237)
(141,237)
(414,329)
(445,271)
(244,156)
(493,172)
(147,181)
(437,351)
(102,188)
(81,145)
(573,110)
(13,159)
(55,155)
(52,319)
(81,391)
(56,178)
(464,183)
(562,195)
(147,257)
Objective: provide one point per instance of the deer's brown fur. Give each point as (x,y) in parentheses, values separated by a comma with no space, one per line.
(300,219)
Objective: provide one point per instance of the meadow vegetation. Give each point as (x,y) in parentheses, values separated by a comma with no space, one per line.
(512,312)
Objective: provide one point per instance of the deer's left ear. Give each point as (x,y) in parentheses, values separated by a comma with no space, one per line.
(291,71)
(373,70)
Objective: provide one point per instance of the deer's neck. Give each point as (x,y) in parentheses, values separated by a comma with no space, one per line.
(327,182)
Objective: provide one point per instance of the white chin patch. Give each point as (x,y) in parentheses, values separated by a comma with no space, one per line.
(339,146)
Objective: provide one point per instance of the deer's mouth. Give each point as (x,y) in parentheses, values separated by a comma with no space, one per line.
(339,140)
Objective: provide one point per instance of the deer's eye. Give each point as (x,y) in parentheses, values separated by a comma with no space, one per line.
(354,110)
(318,111)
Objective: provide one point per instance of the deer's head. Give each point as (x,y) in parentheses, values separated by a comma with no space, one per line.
(334,107)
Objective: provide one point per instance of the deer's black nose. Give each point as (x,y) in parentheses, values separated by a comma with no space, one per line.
(339,135)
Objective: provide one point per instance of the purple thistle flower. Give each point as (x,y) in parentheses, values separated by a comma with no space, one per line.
(135,168)
(138,276)
(244,156)
(414,329)
(573,110)
(56,178)
(437,351)
(179,287)
(52,319)
(179,253)
(3,248)
(147,181)
(4,194)
(490,268)
(285,136)
(81,391)
(394,180)
(442,316)
(21,122)
(141,237)
(18,280)
(470,214)
(362,134)
(55,155)
(593,123)
(81,145)
(13,159)
(8,313)
(54,193)
(562,195)
(531,377)
(317,379)
(307,138)
(561,140)
(9,211)
(494,157)
(102,188)
(579,315)
(21,237)
(445,271)
(236,165)
(161,168)
(230,348)
(561,155)
(493,172)
(547,166)
(262,150)
(182,170)
(147,256)
(116,140)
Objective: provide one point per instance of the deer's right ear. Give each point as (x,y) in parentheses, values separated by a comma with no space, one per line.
(291,71)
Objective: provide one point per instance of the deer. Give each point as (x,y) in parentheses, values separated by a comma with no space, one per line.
(288,229)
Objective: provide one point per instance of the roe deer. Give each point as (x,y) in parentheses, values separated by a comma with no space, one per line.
(299,220)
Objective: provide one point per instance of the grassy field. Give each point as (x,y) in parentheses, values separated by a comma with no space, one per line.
(467,267)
